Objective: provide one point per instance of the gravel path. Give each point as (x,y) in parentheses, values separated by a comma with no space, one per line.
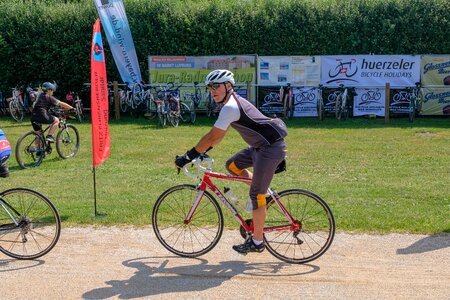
(127,263)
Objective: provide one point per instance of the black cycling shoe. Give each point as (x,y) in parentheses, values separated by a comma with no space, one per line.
(50,138)
(249,246)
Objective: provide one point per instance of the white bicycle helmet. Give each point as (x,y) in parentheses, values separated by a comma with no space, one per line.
(220,76)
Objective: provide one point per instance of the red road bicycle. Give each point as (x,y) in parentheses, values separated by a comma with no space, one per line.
(188,220)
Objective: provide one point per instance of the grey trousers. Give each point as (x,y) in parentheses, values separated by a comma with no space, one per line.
(264,161)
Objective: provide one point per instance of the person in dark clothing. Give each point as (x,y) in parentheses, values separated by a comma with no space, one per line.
(266,150)
(40,114)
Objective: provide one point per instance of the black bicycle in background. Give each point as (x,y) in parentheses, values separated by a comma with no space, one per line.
(32,147)
(343,102)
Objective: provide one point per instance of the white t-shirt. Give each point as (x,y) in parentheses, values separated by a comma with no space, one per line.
(228,114)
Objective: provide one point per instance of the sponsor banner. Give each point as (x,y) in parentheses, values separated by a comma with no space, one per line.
(435,101)
(191,71)
(329,96)
(399,101)
(435,70)
(370,70)
(99,100)
(369,101)
(117,31)
(269,102)
(295,70)
(305,101)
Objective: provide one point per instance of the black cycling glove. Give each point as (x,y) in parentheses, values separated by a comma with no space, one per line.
(181,161)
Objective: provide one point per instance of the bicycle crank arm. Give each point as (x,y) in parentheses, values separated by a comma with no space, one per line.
(299,241)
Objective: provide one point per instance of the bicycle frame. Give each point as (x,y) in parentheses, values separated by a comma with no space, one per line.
(207,183)
(3,205)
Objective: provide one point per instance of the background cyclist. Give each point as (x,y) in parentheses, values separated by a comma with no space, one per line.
(40,114)
(265,153)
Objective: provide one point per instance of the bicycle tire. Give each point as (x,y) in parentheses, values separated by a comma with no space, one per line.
(320,108)
(123,101)
(344,108)
(151,109)
(30,150)
(39,224)
(67,141)
(412,110)
(79,112)
(162,119)
(193,113)
(338,108)
(317,227)
(185,112)
(286,107)
(15,111)
(205,227)
(174,119)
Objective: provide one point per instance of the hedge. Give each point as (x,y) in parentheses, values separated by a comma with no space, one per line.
(50,39)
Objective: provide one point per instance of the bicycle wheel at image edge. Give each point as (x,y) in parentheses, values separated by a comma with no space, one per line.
(39,224)
(198,236)
(30,150)
(315,232)
(67,141)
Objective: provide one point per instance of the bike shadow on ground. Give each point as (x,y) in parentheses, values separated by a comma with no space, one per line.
(10,265)
(162,275)
(427,244)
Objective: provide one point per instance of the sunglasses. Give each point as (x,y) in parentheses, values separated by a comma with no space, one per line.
(213,86)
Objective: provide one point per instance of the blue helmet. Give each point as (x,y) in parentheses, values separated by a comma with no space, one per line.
(49,86)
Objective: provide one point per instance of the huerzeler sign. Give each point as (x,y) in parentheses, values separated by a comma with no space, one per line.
(370,70)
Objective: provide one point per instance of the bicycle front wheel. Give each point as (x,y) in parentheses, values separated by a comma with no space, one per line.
(30,150)
(39,224)
(311,234)
(67,141)
(187,239)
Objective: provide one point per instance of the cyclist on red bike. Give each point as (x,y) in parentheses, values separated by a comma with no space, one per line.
(40,114)
(266,151)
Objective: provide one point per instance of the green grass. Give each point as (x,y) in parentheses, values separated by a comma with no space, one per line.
(376,177)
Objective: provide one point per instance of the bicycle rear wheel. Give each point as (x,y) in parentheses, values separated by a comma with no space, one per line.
(320,108)
(315,230)
(193,112)
(191,239)
(16,110)
(39,224)
(151,109)
(30,150)
(79,111)
(174,118)
(67,141)
(412,110)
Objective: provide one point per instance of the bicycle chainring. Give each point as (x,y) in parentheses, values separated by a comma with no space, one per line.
(242,230)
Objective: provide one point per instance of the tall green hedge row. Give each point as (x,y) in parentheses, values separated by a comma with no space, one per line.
(50,39)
